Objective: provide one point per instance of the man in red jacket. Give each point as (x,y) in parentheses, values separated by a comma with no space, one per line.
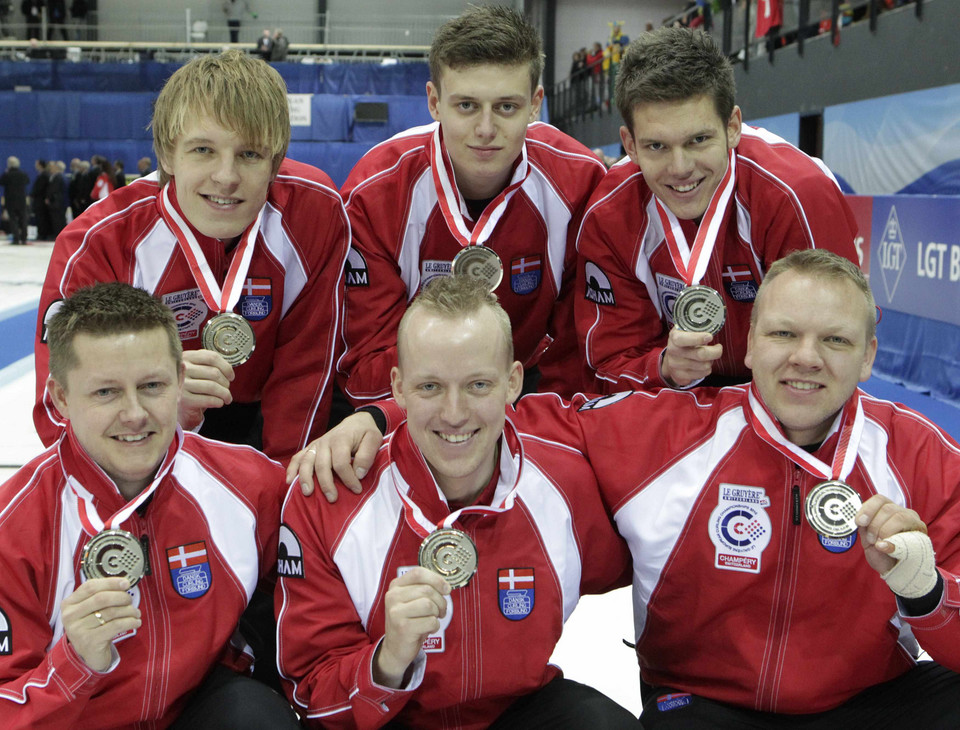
(487,188)
(245,246)
(129,549)
(435,599)
(687,226)
(754,604)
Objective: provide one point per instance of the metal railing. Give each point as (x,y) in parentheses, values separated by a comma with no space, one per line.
(316,35)
(592,92)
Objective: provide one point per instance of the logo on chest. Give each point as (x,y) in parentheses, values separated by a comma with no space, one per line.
(668,289)
(189,311)
(739,282)
(740,527)
(256,299)
(525,274)
(431,268)
(6,641)
(189,569)
(516,592)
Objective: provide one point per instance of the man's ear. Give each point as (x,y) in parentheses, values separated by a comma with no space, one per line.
(58,394)
(396,386)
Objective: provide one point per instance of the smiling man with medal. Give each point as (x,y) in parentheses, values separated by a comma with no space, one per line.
(245,246)
(441,591)
(130,549)
(678,237)
(486,190)
(795,541)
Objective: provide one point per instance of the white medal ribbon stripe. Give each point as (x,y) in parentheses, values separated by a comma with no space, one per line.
(414,515)
(219,301)
(121,516)
(845,455)
(692,264)
(448,196)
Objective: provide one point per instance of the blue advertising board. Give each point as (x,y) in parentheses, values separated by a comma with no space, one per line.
(915,255)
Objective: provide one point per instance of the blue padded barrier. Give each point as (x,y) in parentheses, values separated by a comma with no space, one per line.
(149,76)
(403,112)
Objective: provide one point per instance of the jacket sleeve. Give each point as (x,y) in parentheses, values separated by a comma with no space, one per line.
(77,261)
(297,394)
(814,215)
(562,368)
(376,297)
(43,683)
(620,331)
(937,463)
(325,655)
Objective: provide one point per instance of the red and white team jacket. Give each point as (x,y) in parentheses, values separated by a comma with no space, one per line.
(783,200)
(401,240)
(211,531)
(534,561)
(292,296)
(736,597)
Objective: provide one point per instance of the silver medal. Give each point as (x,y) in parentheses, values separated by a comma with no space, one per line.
(831,509)
(481,263)
(114,554)
(451,554)
(230,335)
(699,309)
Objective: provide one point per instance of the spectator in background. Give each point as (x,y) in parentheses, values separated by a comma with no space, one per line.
(265,45)
(280,46)
(56,197)
(578,72)
(14,182)
(234,10)
(106,178)
(144,166)
(120,179)
(57,19)
(594,70)
(33,13)
(617,35)
(85,179)
(38,200)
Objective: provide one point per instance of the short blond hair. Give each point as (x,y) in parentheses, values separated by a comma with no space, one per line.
(454,297)
(824,265)
(241,93)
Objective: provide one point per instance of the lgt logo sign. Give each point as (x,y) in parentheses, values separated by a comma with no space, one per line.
(893,254)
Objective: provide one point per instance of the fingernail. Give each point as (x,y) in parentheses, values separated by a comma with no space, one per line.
(361,473)
(863,520)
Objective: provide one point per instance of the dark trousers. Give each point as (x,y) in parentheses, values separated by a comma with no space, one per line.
(229,701)
(234,30)
(565,704)
(927,696)
(18,223)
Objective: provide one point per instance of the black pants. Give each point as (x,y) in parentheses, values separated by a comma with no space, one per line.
(564,704)
(18,223)
(234,30)
(927,696)
(229,701)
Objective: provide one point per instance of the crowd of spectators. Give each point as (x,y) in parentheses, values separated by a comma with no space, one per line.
(53,196)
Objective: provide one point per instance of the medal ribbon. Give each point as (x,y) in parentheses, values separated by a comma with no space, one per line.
(217,300)
(90,517)
(448,196)
(418,522)
(851,427)
(692,264)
